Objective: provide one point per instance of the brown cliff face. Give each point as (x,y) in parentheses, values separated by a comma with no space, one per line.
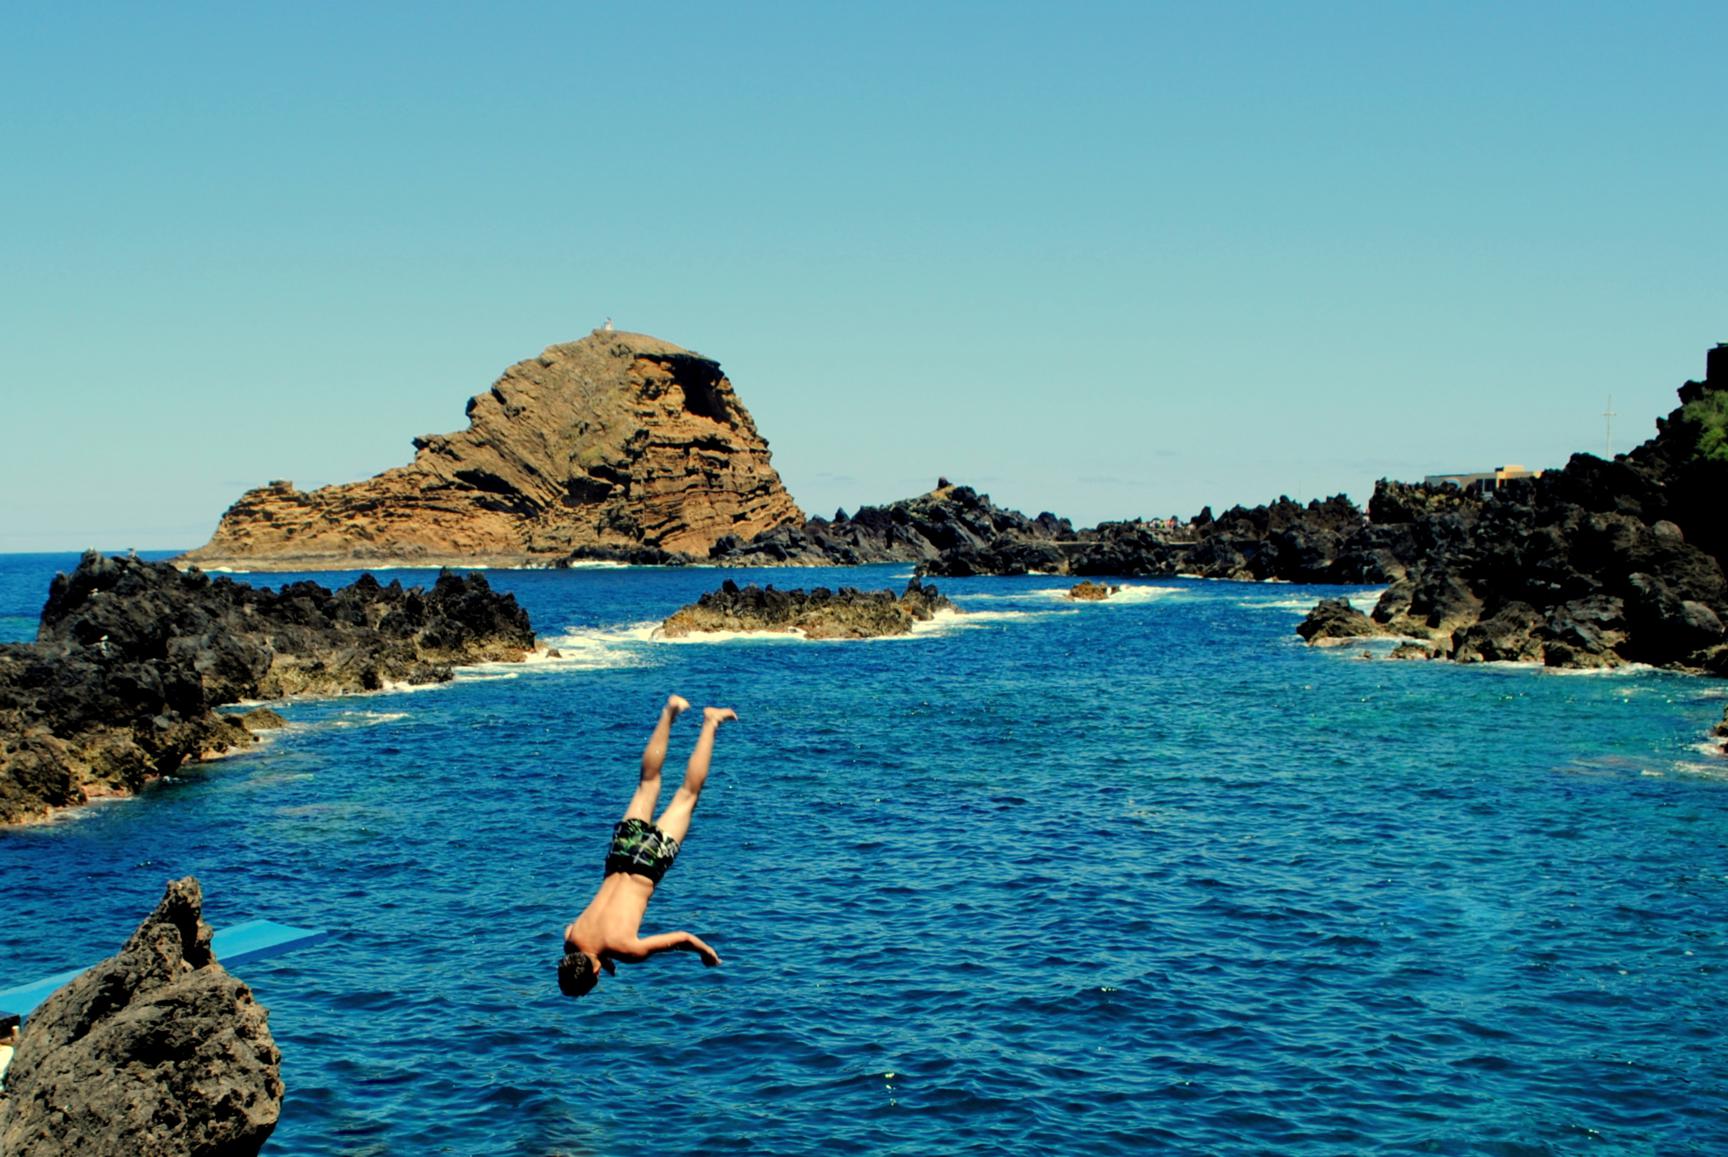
(618,440)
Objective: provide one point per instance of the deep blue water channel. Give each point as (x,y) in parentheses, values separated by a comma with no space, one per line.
(1141,876)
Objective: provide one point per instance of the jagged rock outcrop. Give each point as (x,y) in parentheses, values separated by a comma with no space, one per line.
(1596,564)
(1335,621)
(1285,540)
(156,1051)
(615,443)
(132,659)
(948,520)
(819,614)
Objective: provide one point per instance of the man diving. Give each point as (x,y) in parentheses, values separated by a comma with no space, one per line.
(609,928)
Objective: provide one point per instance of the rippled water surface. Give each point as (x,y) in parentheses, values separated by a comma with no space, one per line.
(1049,877)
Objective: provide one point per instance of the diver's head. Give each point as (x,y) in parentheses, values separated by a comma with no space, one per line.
(578,973)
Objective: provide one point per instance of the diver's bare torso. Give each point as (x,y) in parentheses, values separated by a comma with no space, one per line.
(608,928)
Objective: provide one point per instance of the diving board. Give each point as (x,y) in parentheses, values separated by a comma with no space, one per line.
(253,940)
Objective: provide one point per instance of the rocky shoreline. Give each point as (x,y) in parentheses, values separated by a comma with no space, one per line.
(847,613)
(1594,565)
(133,659)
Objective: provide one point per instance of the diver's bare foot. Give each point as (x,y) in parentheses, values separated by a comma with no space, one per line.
(677,705)
(715,716)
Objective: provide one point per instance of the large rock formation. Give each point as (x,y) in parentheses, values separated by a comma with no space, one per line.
(819,614)
(132,658)
(615,443)
(156,1051)
(1592,565)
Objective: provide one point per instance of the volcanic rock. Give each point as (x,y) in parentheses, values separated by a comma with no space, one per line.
(1091,592)
(818,614)
(1593,565)
(1335,621)
(618,442)
(154,1051)
(949,521)
(1284,540)
(132,658)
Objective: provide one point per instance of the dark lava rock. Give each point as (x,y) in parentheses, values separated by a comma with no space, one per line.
(948,519)
(1335,621)
(132,658)
(1591,565)
(154,1051)
(819,614)
(1284,540)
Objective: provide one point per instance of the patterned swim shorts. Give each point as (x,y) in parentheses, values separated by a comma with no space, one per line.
(641,848)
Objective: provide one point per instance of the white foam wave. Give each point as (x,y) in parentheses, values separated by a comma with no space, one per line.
(702,638)
(397,687)
(1123,596)
(1716,770)
(595,648)
(945,622)
(1363,601)
(365,718)
(1622,671)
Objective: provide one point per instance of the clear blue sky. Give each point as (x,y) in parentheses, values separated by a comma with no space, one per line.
(1109,260)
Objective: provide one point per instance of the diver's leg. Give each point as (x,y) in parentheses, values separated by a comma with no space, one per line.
(648,787)
(675,820)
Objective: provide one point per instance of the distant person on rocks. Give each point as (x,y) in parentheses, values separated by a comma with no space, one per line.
(609,928)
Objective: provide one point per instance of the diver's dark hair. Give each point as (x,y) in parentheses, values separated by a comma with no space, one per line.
(577,974)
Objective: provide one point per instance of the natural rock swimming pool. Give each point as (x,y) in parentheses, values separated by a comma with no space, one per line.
(1049,877)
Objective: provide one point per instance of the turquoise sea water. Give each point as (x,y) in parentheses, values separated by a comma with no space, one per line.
(1142,876)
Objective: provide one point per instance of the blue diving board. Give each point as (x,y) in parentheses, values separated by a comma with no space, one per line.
(253,940)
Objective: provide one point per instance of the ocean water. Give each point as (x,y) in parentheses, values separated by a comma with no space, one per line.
(1140,876)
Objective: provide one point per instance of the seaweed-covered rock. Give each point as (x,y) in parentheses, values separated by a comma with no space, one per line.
(155,1051)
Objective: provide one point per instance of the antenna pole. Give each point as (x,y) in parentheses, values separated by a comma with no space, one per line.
(1608,429)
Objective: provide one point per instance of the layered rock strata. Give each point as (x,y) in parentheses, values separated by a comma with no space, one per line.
(613,444)
(156,1050)
(132,659)
(818,614)
(1597,564)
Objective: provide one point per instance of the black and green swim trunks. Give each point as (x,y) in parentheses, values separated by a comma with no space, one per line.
(640,847)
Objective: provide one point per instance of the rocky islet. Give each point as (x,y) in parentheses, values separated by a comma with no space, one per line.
(618,446)
(821,613)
